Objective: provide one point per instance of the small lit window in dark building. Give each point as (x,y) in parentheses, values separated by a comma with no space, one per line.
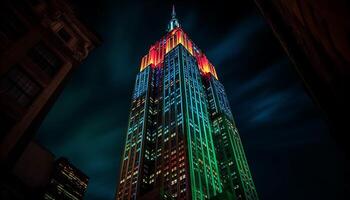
(11,27)
(64,35)
(17,85)
(45,58)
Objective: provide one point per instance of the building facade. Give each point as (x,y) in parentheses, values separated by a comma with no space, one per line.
(38,174)
(66,182)
(41,42)
(234,170)
(315,36)
(177,111)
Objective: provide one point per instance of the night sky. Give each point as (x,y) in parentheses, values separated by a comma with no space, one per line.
(286,139)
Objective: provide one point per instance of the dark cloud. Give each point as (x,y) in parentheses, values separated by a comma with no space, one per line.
(238,38)
(284,135)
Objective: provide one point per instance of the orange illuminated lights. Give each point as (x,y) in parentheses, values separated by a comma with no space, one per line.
(156,53)
(205,66)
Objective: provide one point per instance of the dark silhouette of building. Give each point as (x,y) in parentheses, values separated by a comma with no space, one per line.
(38,175)
(181,141)
(66,182)
(41,43)
(316,36)
(30,174)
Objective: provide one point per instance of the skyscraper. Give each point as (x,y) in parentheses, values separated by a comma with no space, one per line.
(178,108)
(66,182)
(233,166)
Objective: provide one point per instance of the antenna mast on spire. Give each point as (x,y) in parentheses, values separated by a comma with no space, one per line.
(173,21)
(173,14)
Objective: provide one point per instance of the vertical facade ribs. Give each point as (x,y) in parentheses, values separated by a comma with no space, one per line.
(181,142)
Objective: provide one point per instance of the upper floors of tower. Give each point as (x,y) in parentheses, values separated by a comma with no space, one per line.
(176,36)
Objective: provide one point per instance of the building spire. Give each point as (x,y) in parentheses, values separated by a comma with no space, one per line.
(173,21)
(173,14)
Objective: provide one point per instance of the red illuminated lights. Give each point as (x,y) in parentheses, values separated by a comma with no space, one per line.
(156,53)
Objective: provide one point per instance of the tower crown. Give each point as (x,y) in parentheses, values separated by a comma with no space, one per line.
(174,36)
(173,23)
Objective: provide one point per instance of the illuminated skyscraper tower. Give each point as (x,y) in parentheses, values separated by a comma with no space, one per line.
(178,107)
(233,165)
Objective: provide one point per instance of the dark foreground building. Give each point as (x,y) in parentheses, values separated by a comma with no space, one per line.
(37,174)
(41,43)
(181,142)
(316,36)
